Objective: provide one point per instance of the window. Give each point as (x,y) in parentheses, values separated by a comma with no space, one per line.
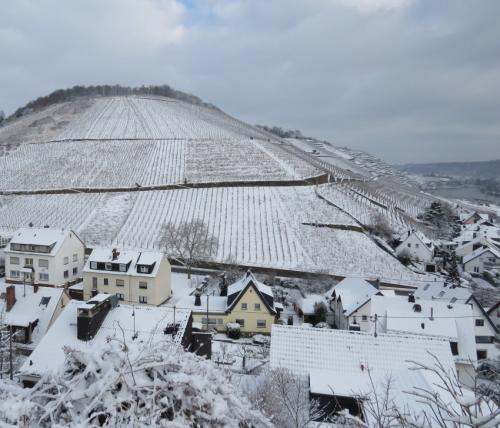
(479,323)
(220,321)
(75,271)
(143,284)
(75,257)
(28,262)
(143,299)
(482,354)
(476,269)
(454,348)
(257,306)
(94,282)
(143,269)
(212,321)
(43,263)
(14,274)
(492,259)
(44,276)
(244,306)
(409,245)
(66,274)
(123,267)
(120,283)
(66,260)
(261,323)
(106,281)
(107,266)
(14,260)
(120,296)
(416,245)
(93,265)
(484,339)
(364,317)
(241,323)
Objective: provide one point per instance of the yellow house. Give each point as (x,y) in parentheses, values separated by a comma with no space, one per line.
(248,303)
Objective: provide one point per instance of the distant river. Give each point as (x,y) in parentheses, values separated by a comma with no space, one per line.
(471,194)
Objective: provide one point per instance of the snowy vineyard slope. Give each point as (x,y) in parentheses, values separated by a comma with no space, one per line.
(272,227)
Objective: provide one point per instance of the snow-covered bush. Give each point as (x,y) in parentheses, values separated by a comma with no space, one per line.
(233,330)
(158,385)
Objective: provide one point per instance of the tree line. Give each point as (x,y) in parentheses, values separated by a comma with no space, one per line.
(62,95)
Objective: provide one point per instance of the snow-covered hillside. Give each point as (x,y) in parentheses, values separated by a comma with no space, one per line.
(125,143)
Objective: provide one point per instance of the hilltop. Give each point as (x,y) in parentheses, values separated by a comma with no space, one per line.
(482,169)
(116,168)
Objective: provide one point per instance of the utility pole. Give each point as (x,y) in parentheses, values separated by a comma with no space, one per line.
(376,318)
(133,316)
(207,311)
(10,354)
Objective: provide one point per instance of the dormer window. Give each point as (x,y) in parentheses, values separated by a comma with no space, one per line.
(93,265)
(123,267)
(107,266)
(143,269)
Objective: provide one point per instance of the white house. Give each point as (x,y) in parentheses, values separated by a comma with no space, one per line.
(349,301)
(44,256)
(86,326)
(142,277)
(477,243)
(30,310)
(417,246)
(481,260)
(434,318)
(340,366)
(485,331)
(494,314)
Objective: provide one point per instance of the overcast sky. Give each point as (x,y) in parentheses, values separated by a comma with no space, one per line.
(407,80)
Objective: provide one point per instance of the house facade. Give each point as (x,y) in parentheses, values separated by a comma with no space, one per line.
(349,301)
(136,277)
(248,303)
(45,257)
(481,260)
(417,246)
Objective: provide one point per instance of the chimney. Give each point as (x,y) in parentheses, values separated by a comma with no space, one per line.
(10,297)
(90,318)
(223,285)
(249,272)
(115,254)
(411,298)
(197,298)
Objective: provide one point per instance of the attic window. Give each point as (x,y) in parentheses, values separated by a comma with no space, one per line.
(108,266)
(426,287)
(45,301)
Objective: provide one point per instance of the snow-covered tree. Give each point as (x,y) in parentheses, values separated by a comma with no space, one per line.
(7,348)
(189,241)
(156,385)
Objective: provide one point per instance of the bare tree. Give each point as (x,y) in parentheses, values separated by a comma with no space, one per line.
(468,408)
(190,242)
(284,398)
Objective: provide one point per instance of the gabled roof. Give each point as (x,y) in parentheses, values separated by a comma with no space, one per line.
(236,291)
(42,236)
(426,242)
(480,252)
(33,306)
(150,323)
(353,293)
(453,321)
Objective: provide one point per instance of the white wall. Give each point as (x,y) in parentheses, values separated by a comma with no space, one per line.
(416,249)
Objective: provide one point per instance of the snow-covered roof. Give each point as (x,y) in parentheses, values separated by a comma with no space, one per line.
(421,237)
(215,304)
(302,349)
(126,257)
(453,321)
(243,282)
(40,236)
(438,290)
(150,323)
(479,252)
(33,306)
(354,293)
(78,286)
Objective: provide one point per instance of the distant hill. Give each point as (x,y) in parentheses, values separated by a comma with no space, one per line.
(484,169)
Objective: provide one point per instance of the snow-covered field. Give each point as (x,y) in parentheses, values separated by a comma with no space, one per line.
(256,226)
